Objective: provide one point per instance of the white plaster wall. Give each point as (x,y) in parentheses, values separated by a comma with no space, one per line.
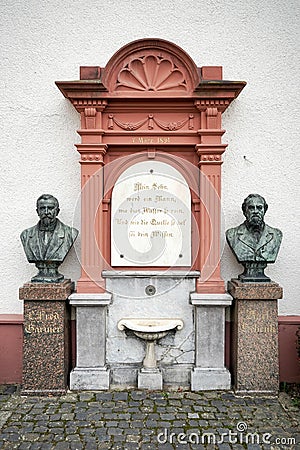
(255,41)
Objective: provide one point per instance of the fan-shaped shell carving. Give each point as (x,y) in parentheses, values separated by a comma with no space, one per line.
(151,73)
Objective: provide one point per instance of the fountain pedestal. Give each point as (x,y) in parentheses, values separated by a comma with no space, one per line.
(149,376)
(150,379)
(150,330)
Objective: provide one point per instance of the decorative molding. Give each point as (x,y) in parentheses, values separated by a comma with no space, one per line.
(212,112)
(166,126)
(196,202)
(151,153)
(151,73)
(204,104)
(90,118)
(210,158)
(127,126)
(210,154)
(92,157)
(85,103)
(173,126)
(92,153)
(212,117)
(105,204)
(90,112)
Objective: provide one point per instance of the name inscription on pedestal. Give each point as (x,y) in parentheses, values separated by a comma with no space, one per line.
(42,322)
(256,328)
(262,323)
(151,217)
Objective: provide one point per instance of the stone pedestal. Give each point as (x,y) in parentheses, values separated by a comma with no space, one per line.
(150,379)
(46,347)
(91,372)
(210,372)
(254,346)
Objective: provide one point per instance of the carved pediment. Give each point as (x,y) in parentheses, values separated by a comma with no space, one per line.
(151,66)
(151,73)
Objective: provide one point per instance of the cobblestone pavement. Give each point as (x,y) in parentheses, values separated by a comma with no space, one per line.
(147,420)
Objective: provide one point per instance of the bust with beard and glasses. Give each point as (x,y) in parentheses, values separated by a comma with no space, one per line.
(254,243)
(47,243)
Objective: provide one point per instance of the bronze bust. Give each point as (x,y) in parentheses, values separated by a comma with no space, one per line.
(47,243)
(254,243)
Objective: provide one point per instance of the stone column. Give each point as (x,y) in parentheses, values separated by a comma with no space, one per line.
(92,151)
(210,150)
(91,372)
(210,372)
(254,346)
(46,347)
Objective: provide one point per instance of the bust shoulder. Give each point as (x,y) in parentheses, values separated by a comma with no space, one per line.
(232,232)
(275,231)
(70,231)
(28,232)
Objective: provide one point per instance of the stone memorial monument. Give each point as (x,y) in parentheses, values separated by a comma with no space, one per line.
(150,158)
(254,313)
(46,313)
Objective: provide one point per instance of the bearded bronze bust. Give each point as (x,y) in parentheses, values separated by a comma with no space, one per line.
(47,243)
(254,243)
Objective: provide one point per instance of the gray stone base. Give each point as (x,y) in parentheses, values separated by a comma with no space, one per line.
(150,379)
(90,378)
(268,394)
(125,376)
(177,376)
(210,379)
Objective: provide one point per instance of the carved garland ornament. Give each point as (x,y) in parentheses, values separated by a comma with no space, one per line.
(151,73)
(167,126)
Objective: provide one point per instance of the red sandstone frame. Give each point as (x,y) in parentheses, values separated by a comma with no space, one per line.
(150,101)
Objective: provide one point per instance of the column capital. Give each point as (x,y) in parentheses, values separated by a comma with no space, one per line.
(84,299)
(92,153)
(223,300)
(210,153)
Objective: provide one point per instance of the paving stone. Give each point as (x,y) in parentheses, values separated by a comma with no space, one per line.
(124,416)
(136,424)
(114,430)
(62,446)
(133,419)
(104,396)
(167,416)
(132,438)
(76,446)
(120,396)
(119,437)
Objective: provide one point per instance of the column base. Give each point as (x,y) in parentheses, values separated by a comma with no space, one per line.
(210,379)
(42,392)
(260,393)
(90,379)
(150,379)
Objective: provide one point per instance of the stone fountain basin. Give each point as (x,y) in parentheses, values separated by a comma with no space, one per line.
(150,330)
(149,326)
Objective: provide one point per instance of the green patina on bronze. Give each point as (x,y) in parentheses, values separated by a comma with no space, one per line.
(47,243)
(254,243)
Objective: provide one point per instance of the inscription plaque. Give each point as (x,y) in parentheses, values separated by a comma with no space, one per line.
(151,217)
